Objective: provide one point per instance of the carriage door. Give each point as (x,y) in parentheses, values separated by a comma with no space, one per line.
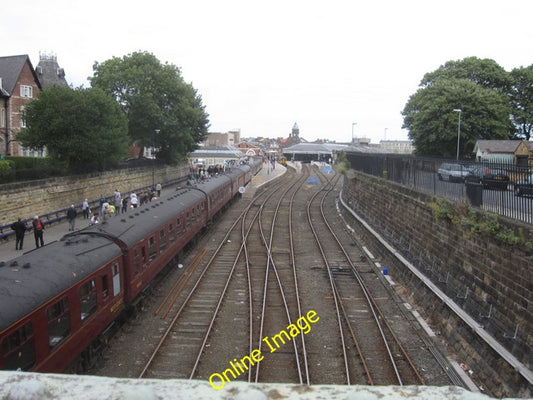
(116,279)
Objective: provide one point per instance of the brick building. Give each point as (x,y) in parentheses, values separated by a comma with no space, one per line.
(18,85)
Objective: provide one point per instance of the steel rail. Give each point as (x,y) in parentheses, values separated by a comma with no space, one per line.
(376,312)
(365,293)
(230,275)
(333,291)
(194,288)
(270,261)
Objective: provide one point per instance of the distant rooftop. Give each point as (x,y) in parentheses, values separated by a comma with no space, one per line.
(49,72)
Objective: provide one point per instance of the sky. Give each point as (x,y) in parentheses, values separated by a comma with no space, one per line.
(337,68)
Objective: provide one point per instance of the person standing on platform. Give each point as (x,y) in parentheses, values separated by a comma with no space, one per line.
(158,189)
(38,229)
(134,200)
(71,215)
(102,201)
(124,205)
(85,209)
(118,201)
(20,229)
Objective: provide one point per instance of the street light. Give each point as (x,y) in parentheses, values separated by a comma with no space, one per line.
(458,129)
(353,124)
(155,132)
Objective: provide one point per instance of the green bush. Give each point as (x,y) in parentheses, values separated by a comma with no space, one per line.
(32,162)
(6,165)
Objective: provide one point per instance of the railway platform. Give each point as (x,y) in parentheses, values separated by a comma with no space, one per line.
(58,230)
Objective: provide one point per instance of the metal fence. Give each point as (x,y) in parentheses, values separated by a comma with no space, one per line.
(509,192)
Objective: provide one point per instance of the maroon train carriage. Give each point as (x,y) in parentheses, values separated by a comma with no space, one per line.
(54,301)
(57,302)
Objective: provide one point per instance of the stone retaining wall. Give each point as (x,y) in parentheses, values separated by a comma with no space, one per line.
(476,270)
(31,198)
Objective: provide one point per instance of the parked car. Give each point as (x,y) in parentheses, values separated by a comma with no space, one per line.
(524,186)
(453,172)
(490,178)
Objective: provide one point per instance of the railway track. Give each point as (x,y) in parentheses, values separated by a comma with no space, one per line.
(278,298)
(372,351)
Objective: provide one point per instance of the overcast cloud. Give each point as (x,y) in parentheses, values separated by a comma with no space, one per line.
(261,66)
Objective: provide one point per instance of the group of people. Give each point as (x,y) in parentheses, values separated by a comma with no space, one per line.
(117,205)
(20,229)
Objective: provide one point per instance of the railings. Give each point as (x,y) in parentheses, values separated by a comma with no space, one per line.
(506,188)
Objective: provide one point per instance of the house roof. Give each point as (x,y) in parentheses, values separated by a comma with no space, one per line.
(10,70)
(49,72)
(497,146)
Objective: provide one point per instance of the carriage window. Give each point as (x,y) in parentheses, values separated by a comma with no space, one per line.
(188,220)
(143,253)
(162,241)
(136,262)
(19,349)
(179,227)
(58,322)
(171,234)
(116,279)
(105,287)
(88,299)
(152,249)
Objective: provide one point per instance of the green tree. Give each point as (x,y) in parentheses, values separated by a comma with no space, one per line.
(84,128)
(433,125)
(521,97)
(484,72)
(154,96)
(479,88)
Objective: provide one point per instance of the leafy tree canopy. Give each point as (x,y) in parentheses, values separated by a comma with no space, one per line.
(433,125)
(84,128)
(479,88)
(521,97)
(154,97)
(485,72)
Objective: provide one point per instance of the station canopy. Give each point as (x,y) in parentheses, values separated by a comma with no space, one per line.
(307,152)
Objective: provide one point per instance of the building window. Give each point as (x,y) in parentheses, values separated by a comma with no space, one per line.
(58,322)
(3,118)
(88,299)
(22,118)
(19,349)
(26,91)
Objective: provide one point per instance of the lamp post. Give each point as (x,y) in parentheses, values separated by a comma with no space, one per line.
(458,129)
(353,124)
(155,132)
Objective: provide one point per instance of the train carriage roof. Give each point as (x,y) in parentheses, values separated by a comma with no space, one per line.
(35,277)
(138,223)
